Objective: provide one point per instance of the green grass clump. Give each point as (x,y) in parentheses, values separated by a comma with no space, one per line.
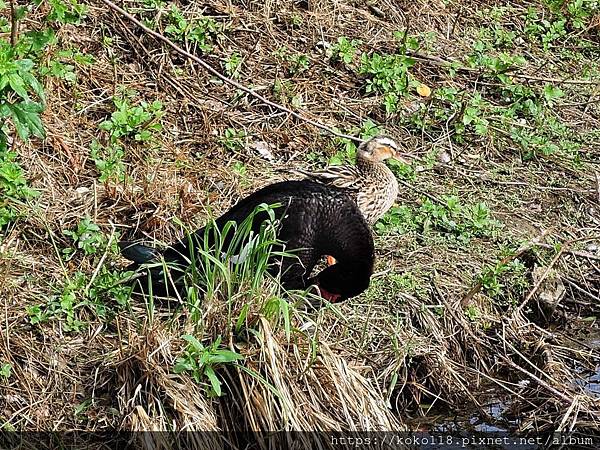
(202,361)
(128,123)
(450,218)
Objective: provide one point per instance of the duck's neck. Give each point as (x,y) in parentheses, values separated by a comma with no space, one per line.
(377,169)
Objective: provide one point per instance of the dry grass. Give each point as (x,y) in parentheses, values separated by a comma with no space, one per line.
(395,354)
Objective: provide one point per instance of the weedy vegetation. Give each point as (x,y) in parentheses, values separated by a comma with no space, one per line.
(487,282)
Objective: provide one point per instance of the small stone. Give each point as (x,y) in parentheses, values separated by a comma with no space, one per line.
(444,158)
(263,150)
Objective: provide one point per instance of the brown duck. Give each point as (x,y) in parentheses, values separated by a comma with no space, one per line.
(370,182)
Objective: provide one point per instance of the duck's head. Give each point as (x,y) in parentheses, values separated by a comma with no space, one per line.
(378,149)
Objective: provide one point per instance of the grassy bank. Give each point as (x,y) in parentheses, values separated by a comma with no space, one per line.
(487,274)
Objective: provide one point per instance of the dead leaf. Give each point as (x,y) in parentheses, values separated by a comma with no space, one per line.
(423,90)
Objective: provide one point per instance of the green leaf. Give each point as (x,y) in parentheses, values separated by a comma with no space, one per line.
(5,370)
(182,365)
(551,93)
(35,85)
(225,356)
(18,85)
(196,344)
(214,381)
(26,117)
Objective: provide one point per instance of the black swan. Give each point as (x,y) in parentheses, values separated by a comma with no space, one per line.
(313,220)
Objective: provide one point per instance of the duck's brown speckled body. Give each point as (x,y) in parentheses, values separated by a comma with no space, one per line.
(370,182)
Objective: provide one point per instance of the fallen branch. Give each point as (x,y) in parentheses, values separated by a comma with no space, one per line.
(573,252)
(449,63)
(222,77)
(14,24)
(554,80)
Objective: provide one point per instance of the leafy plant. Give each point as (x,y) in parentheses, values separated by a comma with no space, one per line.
(474,116)
(472,313)
(407,283)
(240,170)
(88,237)
(233,139)
(580,12)
(344,49)
(108,161)
(496,65)
(17,81)
(79,294)
(203,30)
(298,62)
(110,284)
(494,278)
(202,362)
(17,107)
(65,11)
(296,20)
(411,43)
(551,93)
(545,30)
(388,75)
(5,370)
(451,218)
(233,65)
(139,122)
(59,65)
(13,186)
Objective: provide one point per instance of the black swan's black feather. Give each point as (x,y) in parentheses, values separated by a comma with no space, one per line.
(315,219)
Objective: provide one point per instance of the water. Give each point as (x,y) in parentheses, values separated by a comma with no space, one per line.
(590,381)
(491,428)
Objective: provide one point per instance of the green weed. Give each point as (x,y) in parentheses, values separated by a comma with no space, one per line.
(450,218)
(58,66)
(344,49)
(89,238)
(108,161)
(472,313)
(495,278)
(296,20)
(5,370)
(233,140)
(81,299)
(139,122)
(65,11)
(407,283)
(296,62)
(13,187)
(202,362)
(233,65)
(202,31)
(388,75)
(21,103)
